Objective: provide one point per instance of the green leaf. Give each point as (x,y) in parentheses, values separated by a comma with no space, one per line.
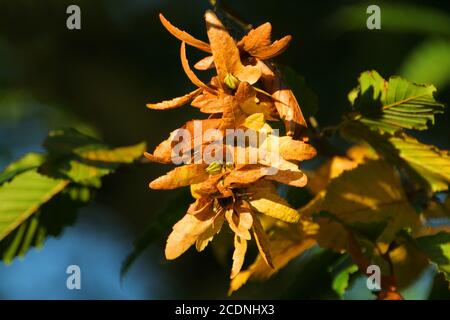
(430,163)
(306,97)
(40,194)
(27,162)
(341,280)
(70,141)
(22,197)
(437,247)
(425,164)
(393,105)
(83,159)
(49,220)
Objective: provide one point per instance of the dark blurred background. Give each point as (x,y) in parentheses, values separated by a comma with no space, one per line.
(99,79)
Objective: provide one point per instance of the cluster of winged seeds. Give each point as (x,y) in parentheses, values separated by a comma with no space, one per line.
(248,93)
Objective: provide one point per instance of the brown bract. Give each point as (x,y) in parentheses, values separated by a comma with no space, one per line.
(247,61)
(247,92)
(259,45)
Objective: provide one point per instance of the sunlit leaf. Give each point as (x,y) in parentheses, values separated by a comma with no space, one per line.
(50,220)
(186,232)
(425,164)
(240,248)
(369,195)
(266,200)
(341,280)
(22,197)
(27,162)
(394,104)
(181,176)
(286,243)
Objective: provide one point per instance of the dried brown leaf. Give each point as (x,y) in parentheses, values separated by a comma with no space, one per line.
(200,206)
(186,232)
(180,177)
(240,222)
(208,187)
(224,49)
(292,178)
(284,99)
(191,75)
(259,45)
(291,149)
(245,175)
(232,116)
(162,153)
(261,240)
(265,199)
(205,63)
(256,38)
(273,50)
(206,237)
(208,103)
(226,54)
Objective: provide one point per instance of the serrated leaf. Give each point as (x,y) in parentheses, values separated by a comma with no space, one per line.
(83,159)
(425,164)
(22,197)
(41,197)
(429,162)
(395,104)
(51,218)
